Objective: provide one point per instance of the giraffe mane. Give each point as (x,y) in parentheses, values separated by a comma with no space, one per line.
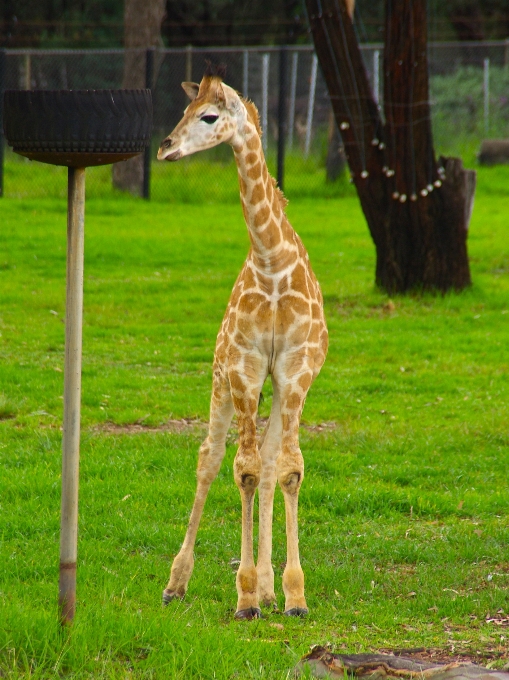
(283,201)
(254,117)
(252,114)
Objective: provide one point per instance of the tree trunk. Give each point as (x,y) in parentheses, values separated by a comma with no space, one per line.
(142,30)
(417,210)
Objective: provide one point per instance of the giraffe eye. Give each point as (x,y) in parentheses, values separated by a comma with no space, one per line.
(209,119)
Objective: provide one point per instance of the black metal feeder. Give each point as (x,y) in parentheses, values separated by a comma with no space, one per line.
(77,129)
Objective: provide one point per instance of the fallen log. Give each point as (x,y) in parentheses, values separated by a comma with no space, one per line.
(322,663)
(494,152)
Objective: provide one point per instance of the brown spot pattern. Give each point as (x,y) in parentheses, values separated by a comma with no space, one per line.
(257,195)
(262,215)
(255,171)
(270,237)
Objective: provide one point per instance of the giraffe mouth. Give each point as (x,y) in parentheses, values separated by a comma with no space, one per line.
(170,156)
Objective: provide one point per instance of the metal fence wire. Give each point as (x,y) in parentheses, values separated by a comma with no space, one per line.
(469,94)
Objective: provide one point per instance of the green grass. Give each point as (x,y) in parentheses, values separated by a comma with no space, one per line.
(405,507)
(210,177)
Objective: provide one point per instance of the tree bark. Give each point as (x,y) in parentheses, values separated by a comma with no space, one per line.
(417,210)
(142,30)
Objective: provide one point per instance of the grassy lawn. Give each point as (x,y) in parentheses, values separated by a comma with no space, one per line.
(404,511)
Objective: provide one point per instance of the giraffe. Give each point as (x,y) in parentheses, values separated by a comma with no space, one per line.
(274,325)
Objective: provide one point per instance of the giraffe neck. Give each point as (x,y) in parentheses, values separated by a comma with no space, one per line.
(273,244)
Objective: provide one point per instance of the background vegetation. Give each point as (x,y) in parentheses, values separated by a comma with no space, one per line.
(99,23)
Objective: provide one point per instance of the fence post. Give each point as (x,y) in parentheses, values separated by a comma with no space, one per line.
(28,71)
(149,84)
(281,117)
(2,88)
(245,74)
(486,89)
(376,75)
(311,104)
(265,99)
(189,63)
(293,92)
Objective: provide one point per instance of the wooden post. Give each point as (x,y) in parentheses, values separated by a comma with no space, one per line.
(72,394)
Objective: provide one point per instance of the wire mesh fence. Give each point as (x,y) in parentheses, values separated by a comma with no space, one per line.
(469,93)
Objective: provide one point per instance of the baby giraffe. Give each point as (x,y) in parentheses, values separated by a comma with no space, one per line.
(274,324)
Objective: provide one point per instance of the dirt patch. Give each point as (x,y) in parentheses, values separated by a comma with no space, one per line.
(193,425)
(174,426)
(322,427)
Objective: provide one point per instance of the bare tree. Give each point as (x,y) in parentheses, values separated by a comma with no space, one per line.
(142,30)
(417,208)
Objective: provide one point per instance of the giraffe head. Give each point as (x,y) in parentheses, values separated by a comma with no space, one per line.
(216,114)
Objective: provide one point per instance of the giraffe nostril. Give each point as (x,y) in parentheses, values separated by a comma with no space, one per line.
(167,143)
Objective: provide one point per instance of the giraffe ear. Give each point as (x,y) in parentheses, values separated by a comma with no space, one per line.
(229,96)
(191,89)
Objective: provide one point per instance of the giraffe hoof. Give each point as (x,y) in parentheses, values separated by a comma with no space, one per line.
(169,595)
(248,614)
(297,611)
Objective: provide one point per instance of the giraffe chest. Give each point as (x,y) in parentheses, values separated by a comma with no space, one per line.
(273,314)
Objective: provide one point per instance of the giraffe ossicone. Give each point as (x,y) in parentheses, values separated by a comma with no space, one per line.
(274,325)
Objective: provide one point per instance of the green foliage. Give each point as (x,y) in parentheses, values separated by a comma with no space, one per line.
(98,23)
(404,520)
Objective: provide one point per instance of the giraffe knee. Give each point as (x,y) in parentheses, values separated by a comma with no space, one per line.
(247,469)
(209,462)
(248,482)
(290,473)
(290,483)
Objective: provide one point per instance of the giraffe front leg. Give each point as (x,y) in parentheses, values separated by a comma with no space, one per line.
(209,461)
(270,447)
(290,473)
(246,471)
(264,570)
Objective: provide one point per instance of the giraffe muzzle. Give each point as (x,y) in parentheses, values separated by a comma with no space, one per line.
(165,152)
